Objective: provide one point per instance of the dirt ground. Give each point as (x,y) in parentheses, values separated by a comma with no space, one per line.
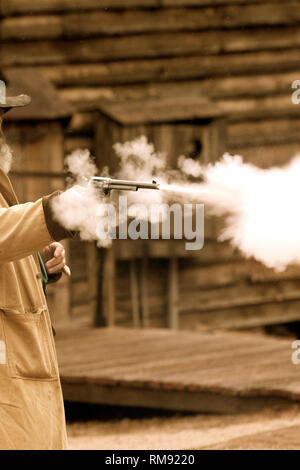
(135,430)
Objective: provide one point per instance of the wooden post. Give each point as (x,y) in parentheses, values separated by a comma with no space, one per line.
(109,286)
(93,273)
(105,313)
(99,314)
(134,290)
(173,322)
(144,292)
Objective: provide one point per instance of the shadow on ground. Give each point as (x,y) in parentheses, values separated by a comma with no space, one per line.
(76,412)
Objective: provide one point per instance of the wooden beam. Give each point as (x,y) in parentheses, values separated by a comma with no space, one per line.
(230,273)
(172,68)
(259,85)
(248,316)
(149,46)
(121,22)
(273,104)
(17,7)
(168,400)
(263,132)
(238,295)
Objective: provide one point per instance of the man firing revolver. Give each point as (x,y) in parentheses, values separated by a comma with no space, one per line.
(31,405)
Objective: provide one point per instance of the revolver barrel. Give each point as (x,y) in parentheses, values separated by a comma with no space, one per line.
(107,184)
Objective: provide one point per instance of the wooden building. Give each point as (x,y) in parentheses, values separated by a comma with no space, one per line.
(243,54)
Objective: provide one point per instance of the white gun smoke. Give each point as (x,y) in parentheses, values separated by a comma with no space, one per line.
(76,208)
(261,207)
(139,161)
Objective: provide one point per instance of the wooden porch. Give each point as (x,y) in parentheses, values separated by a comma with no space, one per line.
(180,370)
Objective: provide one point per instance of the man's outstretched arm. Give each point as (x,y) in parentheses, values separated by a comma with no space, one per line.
(27,228)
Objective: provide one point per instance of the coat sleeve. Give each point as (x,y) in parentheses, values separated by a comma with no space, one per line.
(27,228)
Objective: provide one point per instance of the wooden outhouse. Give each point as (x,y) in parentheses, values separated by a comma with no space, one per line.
(193,127)
(36,135)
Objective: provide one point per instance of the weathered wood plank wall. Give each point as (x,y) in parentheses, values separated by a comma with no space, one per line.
(243,54)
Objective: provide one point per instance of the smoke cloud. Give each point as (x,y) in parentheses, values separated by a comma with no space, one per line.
(260,207)
(77,208)
(139,161)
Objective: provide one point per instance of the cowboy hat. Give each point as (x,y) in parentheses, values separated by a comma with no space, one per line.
(14,101)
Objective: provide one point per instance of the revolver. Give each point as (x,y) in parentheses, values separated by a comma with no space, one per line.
(107,184)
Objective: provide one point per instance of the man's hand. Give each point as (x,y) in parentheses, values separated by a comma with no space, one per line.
(54,259)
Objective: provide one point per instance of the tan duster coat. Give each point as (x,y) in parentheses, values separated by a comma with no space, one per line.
(31,405)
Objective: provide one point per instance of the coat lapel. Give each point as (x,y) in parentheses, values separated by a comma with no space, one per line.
(6,189)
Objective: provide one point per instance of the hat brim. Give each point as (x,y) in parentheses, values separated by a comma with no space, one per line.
(15,101)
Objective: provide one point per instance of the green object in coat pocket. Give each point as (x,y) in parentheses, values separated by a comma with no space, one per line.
(44,272)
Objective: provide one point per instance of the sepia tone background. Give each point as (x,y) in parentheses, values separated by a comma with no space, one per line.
(241,55)
(219,75)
